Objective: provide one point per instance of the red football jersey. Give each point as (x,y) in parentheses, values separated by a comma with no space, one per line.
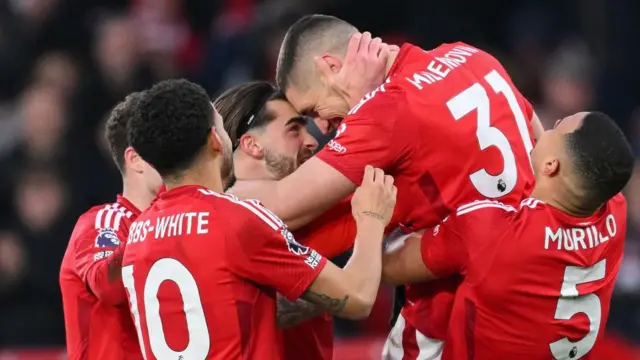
(331,234)
(537,282)
(98,326)
(202,269)
(451,127)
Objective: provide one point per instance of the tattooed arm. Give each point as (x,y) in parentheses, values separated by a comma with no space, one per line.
(351,292)
(291,313)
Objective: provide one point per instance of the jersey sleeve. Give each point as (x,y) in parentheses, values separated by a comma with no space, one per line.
(450,247)
(265,251)
(98,254)
(333,233)
(365,137)
(443,249)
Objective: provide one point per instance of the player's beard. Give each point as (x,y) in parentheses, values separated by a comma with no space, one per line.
(281,166)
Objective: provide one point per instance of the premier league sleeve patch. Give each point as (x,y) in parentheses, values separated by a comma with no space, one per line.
(294,246)
(107,238)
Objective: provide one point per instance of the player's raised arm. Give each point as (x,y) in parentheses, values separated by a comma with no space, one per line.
(351,292)
(302,196)
(296,271)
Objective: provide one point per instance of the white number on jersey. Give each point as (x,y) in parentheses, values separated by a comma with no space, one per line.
(475,98)
(571,303)
(169,270)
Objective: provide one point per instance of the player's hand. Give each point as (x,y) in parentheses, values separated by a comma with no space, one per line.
(363,69)
(375,198)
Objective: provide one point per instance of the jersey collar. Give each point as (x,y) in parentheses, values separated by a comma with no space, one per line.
(128,205)
(180,191)
(402,55)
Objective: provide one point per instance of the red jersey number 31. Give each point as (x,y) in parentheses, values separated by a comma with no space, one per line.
(475,98)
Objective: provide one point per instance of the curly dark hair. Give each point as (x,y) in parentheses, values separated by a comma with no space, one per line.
(602,158)
(116,127)
(175,121)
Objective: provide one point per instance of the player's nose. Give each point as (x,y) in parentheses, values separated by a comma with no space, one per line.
(310,142)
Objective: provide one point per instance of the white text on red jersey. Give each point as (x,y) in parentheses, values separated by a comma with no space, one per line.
(439,68)
(169,226)
(579,238)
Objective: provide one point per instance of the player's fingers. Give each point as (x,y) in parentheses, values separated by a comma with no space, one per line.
(388,181)
(368,175)
(323,67)
(364,42)
(379,176)
(383,52)
(394,48)
(394,192)
(374,47)
(352,49)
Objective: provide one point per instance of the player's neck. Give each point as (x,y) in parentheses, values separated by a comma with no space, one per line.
(561,200)
(136,193)
(250,169)
(207,176)
(392,59)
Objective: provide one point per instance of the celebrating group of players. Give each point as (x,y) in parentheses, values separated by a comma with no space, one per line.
(440,177)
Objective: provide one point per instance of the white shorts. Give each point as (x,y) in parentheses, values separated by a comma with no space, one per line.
(406,343)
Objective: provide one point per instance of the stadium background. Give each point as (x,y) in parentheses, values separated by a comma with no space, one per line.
(65,63)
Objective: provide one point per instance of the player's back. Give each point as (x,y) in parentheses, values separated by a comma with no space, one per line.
(469,129)
(539,285)
(184,294)
(96,329)
(470,133)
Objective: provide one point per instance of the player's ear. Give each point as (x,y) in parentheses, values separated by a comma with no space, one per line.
(216,142)
(551,166)
(133,161)
(328,65)
(250,145)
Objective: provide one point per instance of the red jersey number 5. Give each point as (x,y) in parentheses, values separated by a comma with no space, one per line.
(169,270)
(475,98)
(571,303)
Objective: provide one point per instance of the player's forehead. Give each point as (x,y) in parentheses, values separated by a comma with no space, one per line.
(304,102)
(283,113)
(570,123)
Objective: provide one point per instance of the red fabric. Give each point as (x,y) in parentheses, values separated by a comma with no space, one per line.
(224,260)
(98,324)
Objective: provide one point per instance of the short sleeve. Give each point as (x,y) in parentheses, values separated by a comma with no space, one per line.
(443,249)
(365,137)
(454,244)
(265,251)
(333,233)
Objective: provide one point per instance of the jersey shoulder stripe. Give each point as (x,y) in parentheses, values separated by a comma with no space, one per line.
(253,206)
(483,204)
(111,216)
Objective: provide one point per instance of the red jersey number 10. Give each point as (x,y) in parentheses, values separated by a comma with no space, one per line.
(475,98)
(168,269)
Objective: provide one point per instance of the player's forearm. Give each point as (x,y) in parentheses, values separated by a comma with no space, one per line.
(362,272)
(104,281)
(291,313)
(270,194)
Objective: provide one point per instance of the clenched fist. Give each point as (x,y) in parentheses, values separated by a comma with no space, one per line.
(375,198)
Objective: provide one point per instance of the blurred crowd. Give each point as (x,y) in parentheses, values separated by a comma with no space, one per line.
(65,63)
